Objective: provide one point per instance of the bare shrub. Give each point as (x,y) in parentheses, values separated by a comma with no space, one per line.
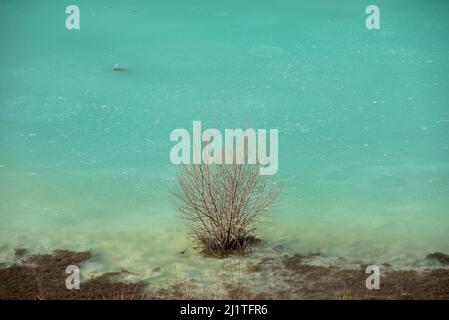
(221,202)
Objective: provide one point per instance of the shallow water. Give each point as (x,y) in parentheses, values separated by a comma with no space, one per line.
(363,121)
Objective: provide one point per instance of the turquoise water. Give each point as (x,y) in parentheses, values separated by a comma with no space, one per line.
(363,121)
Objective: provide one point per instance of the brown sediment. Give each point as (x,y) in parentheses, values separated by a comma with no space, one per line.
(306,281)
(297,259)
(43,277)
(20,252)
(440,257)
(260,265)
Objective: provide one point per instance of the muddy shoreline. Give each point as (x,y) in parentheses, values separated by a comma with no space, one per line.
(43,277)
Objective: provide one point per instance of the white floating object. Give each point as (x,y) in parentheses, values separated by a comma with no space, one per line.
(117,67)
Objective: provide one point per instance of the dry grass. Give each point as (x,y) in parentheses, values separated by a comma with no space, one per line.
(227,284)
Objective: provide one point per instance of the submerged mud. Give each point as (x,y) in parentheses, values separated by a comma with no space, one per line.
(307,281)
(43,277)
